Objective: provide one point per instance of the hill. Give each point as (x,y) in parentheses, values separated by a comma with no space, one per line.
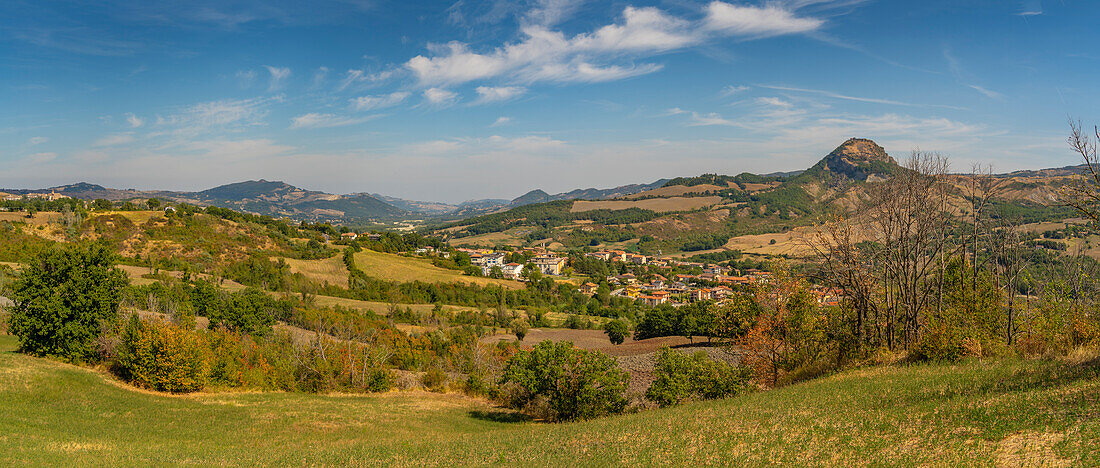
(1007,413)
(262,197)
(703,213)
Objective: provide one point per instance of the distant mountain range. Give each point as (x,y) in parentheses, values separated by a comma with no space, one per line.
(279,199)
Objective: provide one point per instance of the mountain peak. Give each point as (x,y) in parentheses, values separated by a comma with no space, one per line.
(856,159)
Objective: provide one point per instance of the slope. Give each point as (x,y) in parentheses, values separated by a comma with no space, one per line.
(1021,413)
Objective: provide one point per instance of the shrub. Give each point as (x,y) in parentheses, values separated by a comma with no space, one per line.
(519,328)
(682,377)
(435,379)
(162,356)
(250,311)
(65,298)
(616,331)
(557,382)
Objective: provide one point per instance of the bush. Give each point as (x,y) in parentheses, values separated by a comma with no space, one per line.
(162,356)
(250,311)
(681,378)
(435,379)
(65,299)
(557,382)
(616,331)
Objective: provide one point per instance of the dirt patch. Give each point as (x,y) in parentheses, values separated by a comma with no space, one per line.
(1030,449)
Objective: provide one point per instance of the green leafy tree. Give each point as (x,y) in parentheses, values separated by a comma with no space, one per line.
(519,328)
(681,377)
(616,331)
(250,311)
(153,203)
(100,204)
(65,298)
(558,382)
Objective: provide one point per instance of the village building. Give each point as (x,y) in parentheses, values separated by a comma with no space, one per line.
(512,271)
(589,288)
(550,265)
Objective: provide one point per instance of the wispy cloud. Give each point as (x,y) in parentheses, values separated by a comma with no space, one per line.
(366,103)
(987,93)
(278,77)
(731,90)
(501,121)
(34,141)
(489,94)
(315,120)
(133,120)
(114,140)
(440,96)
(752,21)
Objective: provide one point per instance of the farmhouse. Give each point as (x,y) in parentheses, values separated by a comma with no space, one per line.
(589,288)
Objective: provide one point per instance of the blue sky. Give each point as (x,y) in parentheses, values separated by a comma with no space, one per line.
(459,100)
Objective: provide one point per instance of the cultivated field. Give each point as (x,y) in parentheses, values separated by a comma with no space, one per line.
(393,267)
(1008,413)
(660,205)
(326,270)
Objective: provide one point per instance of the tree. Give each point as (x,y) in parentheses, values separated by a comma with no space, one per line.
(65,298)
(681,377)
(519,328)
(560,383)
(100,204)
(1085,196)
(250,311)
(153,203)
(616,331)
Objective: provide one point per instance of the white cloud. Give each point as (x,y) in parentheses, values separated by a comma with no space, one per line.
(543,54)
(134,121)
(501,121)
(33,141)
(709,119)
(315,120)
(114,140)
(223,115)
(246,77)
(752,21)
(319,77)
(440,96)
(278,76)
(987,92)
(489,94)
(355,77)
(731,90)
(551,12)
(366,103)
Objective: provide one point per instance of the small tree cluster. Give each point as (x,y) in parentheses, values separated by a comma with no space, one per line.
(681,377)
(558,382)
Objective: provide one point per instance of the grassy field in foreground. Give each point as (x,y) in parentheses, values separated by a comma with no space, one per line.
(1026,413)
(392,267)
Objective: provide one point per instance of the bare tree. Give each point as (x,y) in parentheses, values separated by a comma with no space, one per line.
(1085,196)
(910,218)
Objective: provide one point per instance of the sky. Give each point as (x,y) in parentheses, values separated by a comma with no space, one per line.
(458,100)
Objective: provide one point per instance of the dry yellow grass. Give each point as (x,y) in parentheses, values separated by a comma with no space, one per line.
(513,237)
(660,205)
(327,270)
(398,268)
